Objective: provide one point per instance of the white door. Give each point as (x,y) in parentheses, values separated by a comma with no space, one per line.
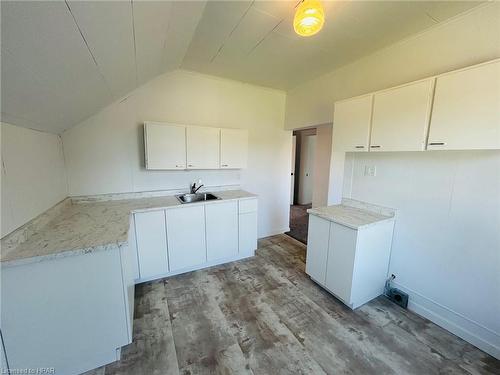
(233,148)
(165,146)
(466,110)
(186,237)
(340,267)
(151,240)
(202,147)
(401,118)
(292,172)
(351,124)
(222,230)
(307,155)
(318,237)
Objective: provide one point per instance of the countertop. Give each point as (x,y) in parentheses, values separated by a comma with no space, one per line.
(86,227)
(354,214)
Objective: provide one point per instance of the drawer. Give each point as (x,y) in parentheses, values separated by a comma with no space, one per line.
(247,205)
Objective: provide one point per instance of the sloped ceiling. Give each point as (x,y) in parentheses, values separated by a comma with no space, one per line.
(62,61)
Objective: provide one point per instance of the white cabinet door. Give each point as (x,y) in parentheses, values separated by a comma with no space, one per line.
(186,237)
(351,124)
(340,267)
(317,248)
(401,118)
(165,146)
(202,147)
(222,230)
(247,228)
(466,109)
(233,148)
(151,240)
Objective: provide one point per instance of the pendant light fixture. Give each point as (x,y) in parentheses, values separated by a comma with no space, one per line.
(309,17)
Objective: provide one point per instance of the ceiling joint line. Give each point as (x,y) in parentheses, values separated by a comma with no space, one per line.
(432,18)
(232,31)
(271,31)
(135,44)
(164,50)
(88,48)
(265,36)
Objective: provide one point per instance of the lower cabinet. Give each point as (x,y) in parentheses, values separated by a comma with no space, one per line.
(350,263)
(247,226)
(317,248)
(186,237)
(151,238)
(222,230)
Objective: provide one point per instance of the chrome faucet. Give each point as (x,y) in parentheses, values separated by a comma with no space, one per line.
(193,188)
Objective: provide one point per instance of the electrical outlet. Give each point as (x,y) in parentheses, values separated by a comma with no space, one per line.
(370,170)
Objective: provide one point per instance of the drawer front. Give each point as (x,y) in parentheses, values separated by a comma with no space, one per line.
(247,206)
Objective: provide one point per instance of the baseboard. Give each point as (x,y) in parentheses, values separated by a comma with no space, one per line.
(197,267)
(465,328)
(274,232)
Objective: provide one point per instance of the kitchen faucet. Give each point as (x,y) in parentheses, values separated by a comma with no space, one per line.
(193,188)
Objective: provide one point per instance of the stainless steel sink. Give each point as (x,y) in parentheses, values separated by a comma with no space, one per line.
(197,197)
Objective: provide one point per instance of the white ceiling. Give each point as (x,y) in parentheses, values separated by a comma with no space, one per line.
(62,61)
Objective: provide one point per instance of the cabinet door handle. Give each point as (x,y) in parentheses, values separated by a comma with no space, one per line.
(190,165)
(179,166)
(359,146)
(225,165)
(437,144)
(375,146)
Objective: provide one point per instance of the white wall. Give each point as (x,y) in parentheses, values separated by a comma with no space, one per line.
(446,250)
(462,41)
(446,246)
(322,165)
(33,175)
(105,154)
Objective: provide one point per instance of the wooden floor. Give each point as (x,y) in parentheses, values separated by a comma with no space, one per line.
(265,316)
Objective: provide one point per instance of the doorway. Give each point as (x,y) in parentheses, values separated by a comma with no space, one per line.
(302,181)
(310,170)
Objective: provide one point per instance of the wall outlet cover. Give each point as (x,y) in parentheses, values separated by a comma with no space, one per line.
(370,170)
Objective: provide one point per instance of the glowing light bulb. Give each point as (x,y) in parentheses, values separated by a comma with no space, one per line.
(309,18)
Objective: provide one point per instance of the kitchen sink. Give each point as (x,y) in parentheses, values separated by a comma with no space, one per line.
(197,197)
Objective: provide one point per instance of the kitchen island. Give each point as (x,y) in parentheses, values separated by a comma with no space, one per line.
(68,276)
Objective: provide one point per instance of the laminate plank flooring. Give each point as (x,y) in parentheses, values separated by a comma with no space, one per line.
(264,315)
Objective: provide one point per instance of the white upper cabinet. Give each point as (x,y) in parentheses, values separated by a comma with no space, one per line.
(466,111)
(203,147)
(401,117)
(165,146)
(351,124)
(233,148)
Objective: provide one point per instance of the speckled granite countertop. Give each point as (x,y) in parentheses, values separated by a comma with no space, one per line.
(354,214)
(84,227)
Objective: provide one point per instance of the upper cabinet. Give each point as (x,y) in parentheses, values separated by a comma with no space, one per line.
(401,117)
(233,148)
(203,145)
(466,113)
(165,146)
(351,124)
(169,146)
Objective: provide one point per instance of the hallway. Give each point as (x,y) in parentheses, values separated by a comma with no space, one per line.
(299,220)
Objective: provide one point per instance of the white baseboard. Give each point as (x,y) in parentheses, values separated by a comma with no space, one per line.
(274,232)
(197,267)
(465,328)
